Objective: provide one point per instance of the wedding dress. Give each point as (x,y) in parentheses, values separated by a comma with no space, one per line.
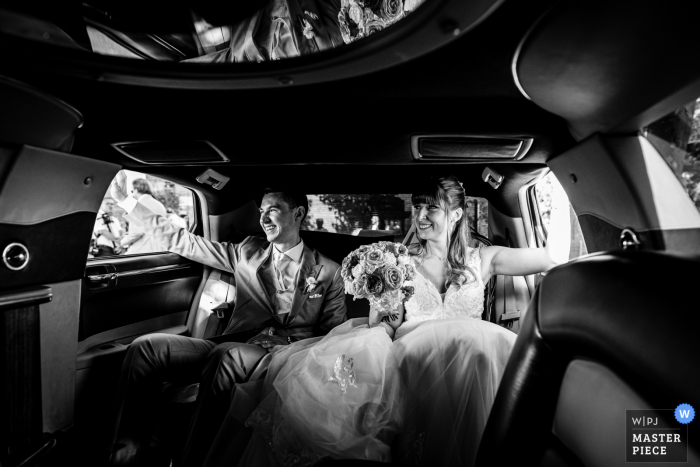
(422,399)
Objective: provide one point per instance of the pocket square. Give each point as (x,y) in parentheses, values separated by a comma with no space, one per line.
(315,295)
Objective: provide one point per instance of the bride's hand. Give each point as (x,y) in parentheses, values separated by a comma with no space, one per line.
(375,315)
(386,318)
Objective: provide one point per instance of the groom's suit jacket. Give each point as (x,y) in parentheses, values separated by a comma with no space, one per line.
(313,312)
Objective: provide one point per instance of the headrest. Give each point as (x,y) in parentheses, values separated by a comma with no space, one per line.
(32,117)
(632,311)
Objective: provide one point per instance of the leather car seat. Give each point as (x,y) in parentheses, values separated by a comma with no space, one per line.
(603,334)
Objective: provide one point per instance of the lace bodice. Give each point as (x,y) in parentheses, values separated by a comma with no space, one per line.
(463,302)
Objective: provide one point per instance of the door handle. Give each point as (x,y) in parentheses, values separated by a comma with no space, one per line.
(105,279)
(102,277)
(109,276)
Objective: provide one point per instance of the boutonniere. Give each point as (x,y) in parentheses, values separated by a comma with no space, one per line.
(311,283)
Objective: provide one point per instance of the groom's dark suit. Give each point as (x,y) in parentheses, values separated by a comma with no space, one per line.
(156,358)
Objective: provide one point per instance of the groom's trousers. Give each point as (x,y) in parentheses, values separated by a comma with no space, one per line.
(157,358)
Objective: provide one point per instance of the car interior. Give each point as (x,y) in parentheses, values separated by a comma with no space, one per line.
(505,95)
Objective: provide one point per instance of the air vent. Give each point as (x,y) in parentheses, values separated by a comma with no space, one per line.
(452,148)
(172,152)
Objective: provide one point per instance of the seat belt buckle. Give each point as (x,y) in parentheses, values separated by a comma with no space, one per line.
(220,313)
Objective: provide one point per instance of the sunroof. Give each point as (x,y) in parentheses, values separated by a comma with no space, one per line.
(280,29)
(224,44)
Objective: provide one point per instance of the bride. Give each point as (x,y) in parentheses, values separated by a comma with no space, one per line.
(414,387)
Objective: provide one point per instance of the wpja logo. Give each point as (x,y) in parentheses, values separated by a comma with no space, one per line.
(659,435)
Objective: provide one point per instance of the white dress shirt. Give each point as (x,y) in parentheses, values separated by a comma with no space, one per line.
(290,261)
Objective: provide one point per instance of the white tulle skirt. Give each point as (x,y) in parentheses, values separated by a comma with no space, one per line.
(451,369)
(354,394)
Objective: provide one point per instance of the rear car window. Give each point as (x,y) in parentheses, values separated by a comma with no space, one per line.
(677,138)
(376,214)
(113,235)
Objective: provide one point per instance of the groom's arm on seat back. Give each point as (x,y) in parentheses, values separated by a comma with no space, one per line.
(219,255)
(334,310)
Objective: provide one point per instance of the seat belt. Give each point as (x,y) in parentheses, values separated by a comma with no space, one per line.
(221,313)
(507,313)
(510,318)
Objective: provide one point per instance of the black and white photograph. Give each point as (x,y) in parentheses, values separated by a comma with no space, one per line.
(349,233)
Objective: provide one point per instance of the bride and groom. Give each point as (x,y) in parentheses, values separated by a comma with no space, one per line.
(351,394)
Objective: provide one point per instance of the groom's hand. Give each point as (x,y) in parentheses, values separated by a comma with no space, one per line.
(267,342)
(118,187)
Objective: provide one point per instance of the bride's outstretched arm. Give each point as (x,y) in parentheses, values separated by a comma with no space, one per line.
(496,260)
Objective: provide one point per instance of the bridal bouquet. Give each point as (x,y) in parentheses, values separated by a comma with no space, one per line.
(382,273)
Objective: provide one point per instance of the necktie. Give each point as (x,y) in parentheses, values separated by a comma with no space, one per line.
(281,263)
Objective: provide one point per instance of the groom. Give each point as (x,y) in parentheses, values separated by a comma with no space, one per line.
(285,291)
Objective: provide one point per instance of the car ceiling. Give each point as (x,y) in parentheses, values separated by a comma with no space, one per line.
(351,135)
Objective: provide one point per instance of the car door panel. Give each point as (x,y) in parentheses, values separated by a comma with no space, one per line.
(48,204)
(649,201)
(53,221)
(123,297)
(136,289)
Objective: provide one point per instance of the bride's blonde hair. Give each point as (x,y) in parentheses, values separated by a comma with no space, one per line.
(448,194)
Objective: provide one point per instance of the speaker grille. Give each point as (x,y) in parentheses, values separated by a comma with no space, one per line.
(172,152)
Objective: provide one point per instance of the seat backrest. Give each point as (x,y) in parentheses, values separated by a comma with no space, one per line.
(33,117)
(490,290)
(603,334)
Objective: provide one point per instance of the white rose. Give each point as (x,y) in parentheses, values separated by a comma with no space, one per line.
(404,260)
(348,287)
(357,270)
(389,258)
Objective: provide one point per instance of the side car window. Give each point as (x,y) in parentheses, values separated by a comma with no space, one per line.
(677,138)
(557,221)
(114,235)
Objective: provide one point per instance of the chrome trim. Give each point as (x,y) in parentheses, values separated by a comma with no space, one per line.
(6,251)
(136,272)
(101,277)
(26,297)
(629,240)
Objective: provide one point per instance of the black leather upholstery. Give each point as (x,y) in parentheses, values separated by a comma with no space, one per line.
(629,311)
